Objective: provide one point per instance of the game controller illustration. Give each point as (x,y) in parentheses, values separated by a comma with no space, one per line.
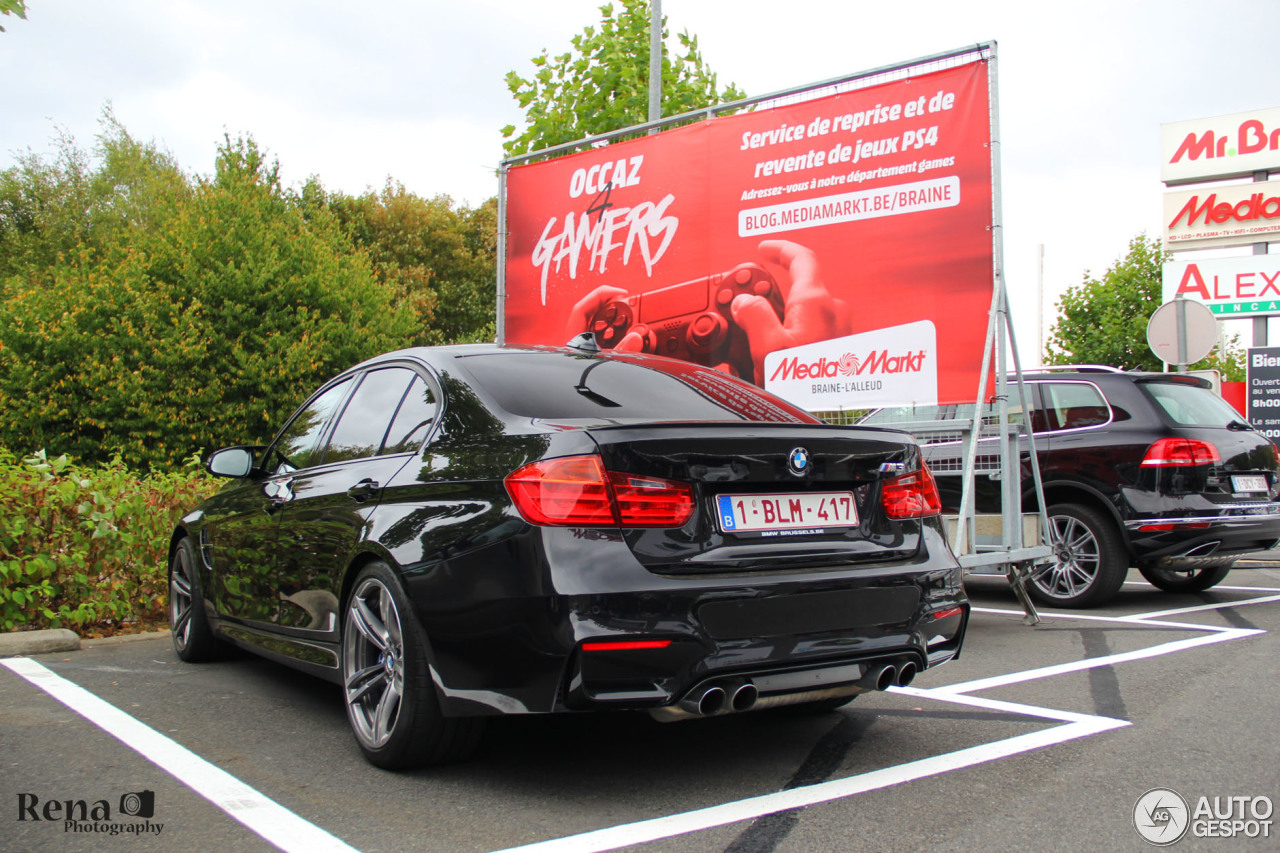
(691,320)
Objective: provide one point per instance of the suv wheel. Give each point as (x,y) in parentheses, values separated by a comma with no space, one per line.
(1089,560)
(1192,580)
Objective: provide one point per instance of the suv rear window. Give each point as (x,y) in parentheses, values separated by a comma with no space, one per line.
(560,386)
(1190,405)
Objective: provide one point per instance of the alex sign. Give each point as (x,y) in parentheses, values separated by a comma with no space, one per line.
(1247,286)
(854,225)
(1222,147)
(1222,215)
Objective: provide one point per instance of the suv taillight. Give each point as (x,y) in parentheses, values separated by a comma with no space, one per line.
(913,495)
(1180,453)
(576,491)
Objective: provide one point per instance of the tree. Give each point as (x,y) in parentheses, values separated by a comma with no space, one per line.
(184,325)
(602,84)
(1105,321)
(437,258)
(13,7)
(53,209)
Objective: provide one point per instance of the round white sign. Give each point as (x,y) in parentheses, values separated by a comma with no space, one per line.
(1201,331)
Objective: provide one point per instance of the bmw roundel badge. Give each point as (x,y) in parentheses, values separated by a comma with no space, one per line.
(798,461)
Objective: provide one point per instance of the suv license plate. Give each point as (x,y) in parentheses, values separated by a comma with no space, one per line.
(809,510)
(1248,483)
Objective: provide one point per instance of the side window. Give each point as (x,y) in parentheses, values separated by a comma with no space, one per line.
(298,444)
(413,421)
(363,423)
(1072,405)
(1034,406)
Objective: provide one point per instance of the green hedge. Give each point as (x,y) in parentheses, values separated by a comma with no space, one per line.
(86,547)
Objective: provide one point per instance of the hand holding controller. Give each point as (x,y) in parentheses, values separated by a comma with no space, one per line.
(692,320)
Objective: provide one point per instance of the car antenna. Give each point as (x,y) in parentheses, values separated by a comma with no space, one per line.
(585,342)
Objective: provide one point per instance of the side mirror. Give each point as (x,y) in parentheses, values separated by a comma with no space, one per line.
(230,462)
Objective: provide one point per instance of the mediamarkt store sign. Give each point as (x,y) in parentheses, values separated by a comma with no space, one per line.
(1232,146)
(1222,215)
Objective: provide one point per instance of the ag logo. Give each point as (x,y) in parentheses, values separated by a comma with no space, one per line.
(1161,816)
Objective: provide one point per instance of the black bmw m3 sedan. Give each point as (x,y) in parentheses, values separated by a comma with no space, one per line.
(454,533)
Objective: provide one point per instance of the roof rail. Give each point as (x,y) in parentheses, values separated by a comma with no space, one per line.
(1077,368)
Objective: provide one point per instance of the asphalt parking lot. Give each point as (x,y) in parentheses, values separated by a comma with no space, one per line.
(1037,738)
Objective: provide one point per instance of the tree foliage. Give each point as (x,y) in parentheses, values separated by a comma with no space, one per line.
(1104,321)
(602,83)
(437,258)
(13,7)
(148,315)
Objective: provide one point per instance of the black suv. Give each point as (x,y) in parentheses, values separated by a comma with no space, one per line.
(1152,470)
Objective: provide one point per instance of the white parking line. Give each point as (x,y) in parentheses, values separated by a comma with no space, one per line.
(1202,607)
(264,816)
(1075,726)
(1093,663)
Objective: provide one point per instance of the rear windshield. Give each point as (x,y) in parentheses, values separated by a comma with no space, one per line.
(558,386)
(1191,405)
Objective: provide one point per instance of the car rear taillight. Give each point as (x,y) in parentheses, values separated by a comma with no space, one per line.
(576,491)
(567,491)
(913,495)
(650,501)
(1180,453)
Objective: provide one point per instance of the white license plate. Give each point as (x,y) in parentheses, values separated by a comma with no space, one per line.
(807,511)
(1248,483)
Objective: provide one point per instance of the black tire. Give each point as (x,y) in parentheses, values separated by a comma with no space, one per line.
(1193,580)
(1089,563)
(193,639)
(389,696)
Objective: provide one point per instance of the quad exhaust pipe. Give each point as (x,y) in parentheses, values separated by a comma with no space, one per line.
(882,676)
(704,702)
(721,698)
(730,696)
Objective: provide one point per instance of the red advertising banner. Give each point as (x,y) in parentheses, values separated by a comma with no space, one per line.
(836,251)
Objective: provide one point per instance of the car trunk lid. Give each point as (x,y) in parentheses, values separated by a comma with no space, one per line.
(769,496)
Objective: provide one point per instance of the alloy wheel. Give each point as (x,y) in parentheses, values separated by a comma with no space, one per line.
(1076,559)
(180,599)
(373,663)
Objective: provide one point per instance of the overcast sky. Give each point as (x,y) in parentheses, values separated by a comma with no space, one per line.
(415,90)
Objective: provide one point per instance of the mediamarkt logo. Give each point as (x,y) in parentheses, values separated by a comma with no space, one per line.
(849,365)
(1256,206)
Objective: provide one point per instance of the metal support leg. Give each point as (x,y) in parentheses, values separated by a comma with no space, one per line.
(1017,574)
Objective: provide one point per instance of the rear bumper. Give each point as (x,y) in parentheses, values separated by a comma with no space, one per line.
(554,626)
(1204,540)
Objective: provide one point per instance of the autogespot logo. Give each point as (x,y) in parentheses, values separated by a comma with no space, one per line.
(1161,816)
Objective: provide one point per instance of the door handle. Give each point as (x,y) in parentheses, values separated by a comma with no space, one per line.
(363,490)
